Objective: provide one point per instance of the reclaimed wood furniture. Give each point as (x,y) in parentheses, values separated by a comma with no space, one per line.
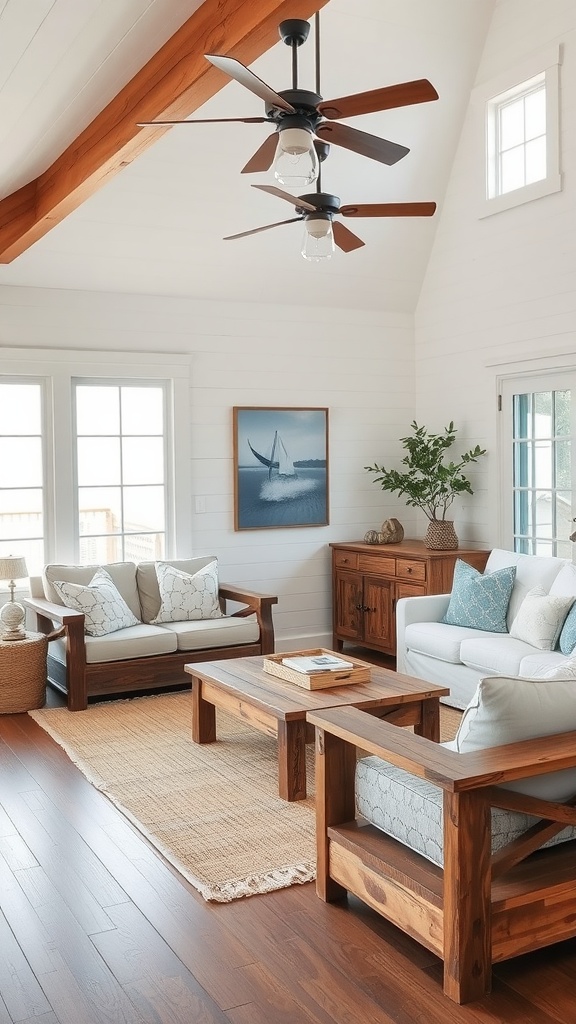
(80,679)
(368,580)
(278,708)
(480,908)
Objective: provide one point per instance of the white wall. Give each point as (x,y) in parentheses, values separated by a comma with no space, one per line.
(359,365)
(500,292)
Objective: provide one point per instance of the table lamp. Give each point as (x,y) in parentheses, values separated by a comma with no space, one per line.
(12,614)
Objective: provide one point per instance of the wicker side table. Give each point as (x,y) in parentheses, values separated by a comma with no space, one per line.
(23,673)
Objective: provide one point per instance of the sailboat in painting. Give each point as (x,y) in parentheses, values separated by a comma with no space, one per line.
(283,483)
(279,463)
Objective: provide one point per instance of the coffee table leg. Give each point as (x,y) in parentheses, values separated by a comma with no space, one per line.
(292,759)
(429,720)
(203,715)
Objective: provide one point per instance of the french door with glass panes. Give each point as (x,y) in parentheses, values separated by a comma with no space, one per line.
(539,472)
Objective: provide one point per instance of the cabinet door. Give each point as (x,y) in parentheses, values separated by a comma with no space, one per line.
(378,616)
(348,605)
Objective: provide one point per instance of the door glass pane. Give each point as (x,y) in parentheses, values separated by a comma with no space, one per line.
(97,409)
(98,461)
(142,410)
(542,471)
(143,509)
(100,510)
(143,460)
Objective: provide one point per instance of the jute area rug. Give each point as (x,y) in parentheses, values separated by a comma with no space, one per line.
(212,810)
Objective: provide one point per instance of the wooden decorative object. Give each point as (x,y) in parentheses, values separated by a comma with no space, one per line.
(272,663)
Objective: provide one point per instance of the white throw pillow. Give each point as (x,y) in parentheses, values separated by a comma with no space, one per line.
(185,596)
(105,610)
(508,709)
(540,618)
(566,670)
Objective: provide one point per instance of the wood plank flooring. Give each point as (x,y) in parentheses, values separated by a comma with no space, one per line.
(95,928)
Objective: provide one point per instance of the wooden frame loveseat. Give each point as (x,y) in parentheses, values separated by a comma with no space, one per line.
(248,631)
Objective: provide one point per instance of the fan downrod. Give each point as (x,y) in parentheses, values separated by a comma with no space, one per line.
(294,31)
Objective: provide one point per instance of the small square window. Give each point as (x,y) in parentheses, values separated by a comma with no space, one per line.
(522,138)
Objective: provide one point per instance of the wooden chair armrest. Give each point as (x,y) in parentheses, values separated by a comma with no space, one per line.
(49,610)
(446,768)
(246,596)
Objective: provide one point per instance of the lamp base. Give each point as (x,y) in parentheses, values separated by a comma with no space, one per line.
(12,617)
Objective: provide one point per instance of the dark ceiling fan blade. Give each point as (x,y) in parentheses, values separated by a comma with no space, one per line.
(249,80)
(402,95)
(263,157)
(255,231)
(388,210)
(360,142)
(344,238)
(205,120)
(300,203)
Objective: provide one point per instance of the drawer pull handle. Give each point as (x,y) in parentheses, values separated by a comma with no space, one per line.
(409,569)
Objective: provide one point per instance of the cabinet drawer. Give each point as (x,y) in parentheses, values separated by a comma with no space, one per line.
(346,559)
(377,563)
(408,570)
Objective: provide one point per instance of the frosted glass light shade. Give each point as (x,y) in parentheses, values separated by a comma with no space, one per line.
(296,160)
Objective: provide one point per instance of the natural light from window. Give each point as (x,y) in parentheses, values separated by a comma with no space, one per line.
(522,140)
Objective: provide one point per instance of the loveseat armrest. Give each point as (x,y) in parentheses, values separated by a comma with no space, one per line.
(255,604)
(47,612)
(430,608)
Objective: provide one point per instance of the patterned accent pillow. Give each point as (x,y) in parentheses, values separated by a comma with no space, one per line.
(540,619)
(480,600)
(105,610)
(185,596)
(567,641)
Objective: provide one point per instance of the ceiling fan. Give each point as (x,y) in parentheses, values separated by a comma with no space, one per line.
(317,211)
(301,117)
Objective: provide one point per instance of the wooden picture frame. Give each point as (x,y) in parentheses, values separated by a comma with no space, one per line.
(280,467)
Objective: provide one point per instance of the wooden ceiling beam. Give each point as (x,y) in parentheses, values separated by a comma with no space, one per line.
(174,83)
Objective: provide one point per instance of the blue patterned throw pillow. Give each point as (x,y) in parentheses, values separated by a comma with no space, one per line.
(567,641)
(480,601)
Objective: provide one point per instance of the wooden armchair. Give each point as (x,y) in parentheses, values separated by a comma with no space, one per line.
(481,907)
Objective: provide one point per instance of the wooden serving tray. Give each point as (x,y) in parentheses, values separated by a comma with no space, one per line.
(360,673)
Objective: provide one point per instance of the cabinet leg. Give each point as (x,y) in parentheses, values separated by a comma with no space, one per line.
(337,645)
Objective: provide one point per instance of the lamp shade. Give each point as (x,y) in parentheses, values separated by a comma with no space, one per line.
(13,567)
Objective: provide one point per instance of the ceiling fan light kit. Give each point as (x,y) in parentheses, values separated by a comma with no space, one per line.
(318,242)
(305,126)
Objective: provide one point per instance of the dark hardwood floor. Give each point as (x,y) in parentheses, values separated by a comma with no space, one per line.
(95,928)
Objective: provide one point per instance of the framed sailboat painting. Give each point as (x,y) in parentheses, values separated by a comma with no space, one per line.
(280,467)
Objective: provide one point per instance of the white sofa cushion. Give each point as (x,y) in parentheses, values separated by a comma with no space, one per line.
(410,809)
(123,575)
(506,710)
(187,596)
(224,632)
(531,571)
(439,640)
(566,669)
(147,582)
(535,666)
(496,654)
(105,610)
(540,618)
(134,642)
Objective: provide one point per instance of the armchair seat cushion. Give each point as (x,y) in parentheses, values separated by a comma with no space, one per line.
(499,655)
(224,632)
(410,810)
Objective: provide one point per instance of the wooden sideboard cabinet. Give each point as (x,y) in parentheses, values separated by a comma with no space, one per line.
(368,579)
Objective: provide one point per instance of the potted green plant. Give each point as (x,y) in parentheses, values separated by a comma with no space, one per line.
(429,482)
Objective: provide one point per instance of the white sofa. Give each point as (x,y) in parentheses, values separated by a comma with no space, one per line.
(457,656)
(144,655)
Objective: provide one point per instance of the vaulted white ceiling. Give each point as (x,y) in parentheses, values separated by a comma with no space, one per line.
(158,226)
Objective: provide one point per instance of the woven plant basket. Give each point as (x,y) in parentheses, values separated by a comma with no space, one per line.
(441,535)
(23,673)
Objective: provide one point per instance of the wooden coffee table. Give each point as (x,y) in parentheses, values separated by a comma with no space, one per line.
(278,708)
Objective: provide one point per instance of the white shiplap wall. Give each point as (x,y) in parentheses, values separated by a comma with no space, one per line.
(500,292)
(358,364)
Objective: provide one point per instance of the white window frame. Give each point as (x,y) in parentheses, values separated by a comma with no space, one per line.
(491,96)
(57,368)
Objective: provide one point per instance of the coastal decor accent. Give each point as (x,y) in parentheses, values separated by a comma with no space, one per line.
(280,467)
(391,532)
(429,482)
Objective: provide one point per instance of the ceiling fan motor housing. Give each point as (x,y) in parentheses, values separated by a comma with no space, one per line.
(304,103)
(323,202)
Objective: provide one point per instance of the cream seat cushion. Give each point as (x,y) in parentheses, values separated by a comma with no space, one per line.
(133,642)
(223,632)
